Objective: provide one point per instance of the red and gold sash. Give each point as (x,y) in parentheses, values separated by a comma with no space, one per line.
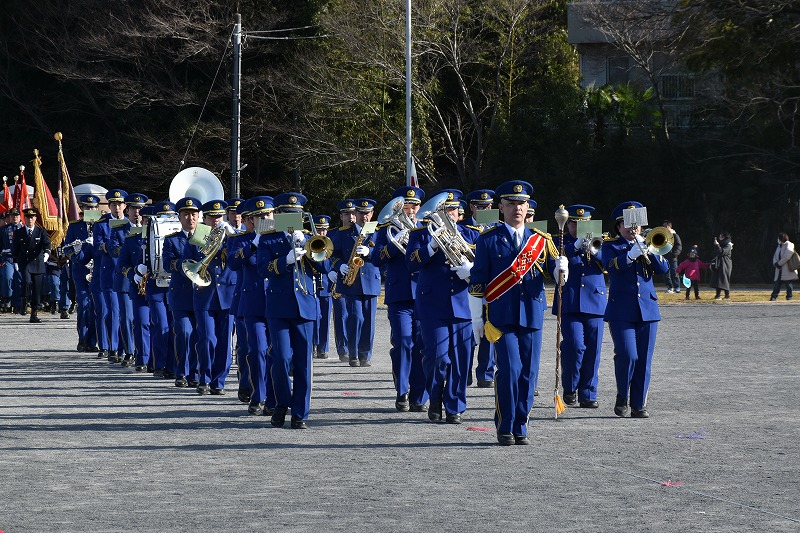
(527,257)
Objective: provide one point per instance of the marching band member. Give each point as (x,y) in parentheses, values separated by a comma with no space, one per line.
(632,311)
(508,273)
(104,270)
(180,298)
(291,309)
(443,311)
(322,326)
(362,296)
(133,250)
(252,304)
(484,372)
(347,217)
(406,339)
(13,280)
(236,216)
(212,305)
(583,303)
(31,249)
(162,346)
(121,283)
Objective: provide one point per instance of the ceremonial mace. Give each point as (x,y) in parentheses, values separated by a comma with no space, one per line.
(561,217)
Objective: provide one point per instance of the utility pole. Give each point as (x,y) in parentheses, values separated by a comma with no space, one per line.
(236,127)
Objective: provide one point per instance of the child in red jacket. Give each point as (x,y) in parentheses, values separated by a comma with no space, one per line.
(692,266)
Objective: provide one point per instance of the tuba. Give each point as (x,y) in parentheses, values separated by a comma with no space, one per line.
(452,244)
(197,270)
(393,214)
(196,182)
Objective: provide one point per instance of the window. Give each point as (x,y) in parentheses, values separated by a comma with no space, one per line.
(676,86)
(618,70)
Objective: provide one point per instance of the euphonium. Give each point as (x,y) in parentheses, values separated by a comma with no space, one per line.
(393,214)
(659,241)
(197,270)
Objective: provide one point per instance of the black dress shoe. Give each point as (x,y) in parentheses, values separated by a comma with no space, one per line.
(64,315)
(203,389)
(90,349)
(216,391)
(298,423)
(354,362)
(570,398)
(485,383)
(621,407)
(322,355)
(589,404)
(269,411)
(102,354)
(128,360)
(453,418)
(639,413)
(401,403)
(469,380)
(418,407)
(364,362)
(81,347)
(112,356)
(181,382)
(158,373)
(521,439)
(169,375)
(193,383)
(256,408)
(278,417)
(505,439)
(141,368)
(435,412)
(35,319)
(344,358)
(244,396)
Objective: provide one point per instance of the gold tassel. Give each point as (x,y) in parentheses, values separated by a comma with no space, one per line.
(560,407)
(492,333)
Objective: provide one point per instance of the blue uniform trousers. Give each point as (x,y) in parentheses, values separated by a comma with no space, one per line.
(141,329)
(87,334)
(183,323)
(290,345)
(110,318)
(259,361)
(100,312)
(6,279)
(634,343)
(322,326)
(485,369)
(406,352)
(339,330)
(517,354)
(16,290)
(360,325)
(447,346)
(126,321)
(213,346)
(242,353)
(162,343)
(54,288)
(580,353)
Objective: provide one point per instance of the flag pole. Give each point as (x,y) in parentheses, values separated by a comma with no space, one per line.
(409,160)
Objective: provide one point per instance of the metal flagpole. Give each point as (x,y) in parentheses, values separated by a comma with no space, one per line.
(236,126)
(408,93)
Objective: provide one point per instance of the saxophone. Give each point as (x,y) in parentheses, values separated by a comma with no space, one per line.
(354,263)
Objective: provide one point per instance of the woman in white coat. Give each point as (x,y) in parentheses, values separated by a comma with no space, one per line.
(780,260)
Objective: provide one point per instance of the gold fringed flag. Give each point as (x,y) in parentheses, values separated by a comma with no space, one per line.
(67,201)
(44,202)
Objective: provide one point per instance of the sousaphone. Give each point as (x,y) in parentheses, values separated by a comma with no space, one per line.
(198,183)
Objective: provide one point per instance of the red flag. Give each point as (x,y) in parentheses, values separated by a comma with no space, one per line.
(21,198)
(8,201)
(412,175)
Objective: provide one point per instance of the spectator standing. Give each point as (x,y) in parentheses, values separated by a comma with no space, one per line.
(722,265)
(671,277)
(691,268)
(780,260)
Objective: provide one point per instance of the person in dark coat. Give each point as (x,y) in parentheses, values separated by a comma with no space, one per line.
(722,264)
(31,251)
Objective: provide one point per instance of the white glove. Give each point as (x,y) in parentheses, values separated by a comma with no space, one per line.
(562,267)
(16,267)
(640,239)
(77,247)
(344,269)
(256,239)
(362,250)
(433,245)
(89,240)
(6,251)
(137,278)
(227,227)
(399,237)
(292,256)
(634,253)
(46,257)
(298,237)
(462,271)
(333,276)
(476,311)
(579,243)
(141,269)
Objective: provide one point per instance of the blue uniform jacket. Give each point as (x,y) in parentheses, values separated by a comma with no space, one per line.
(631,294)
(524,303)
(7,241)
(219,293)
(444,293)
(78,230)
(401,283)
(585,289)
(285,297)
(253,287)
(116,242)
(368,281)
(180,296)
(130,256)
